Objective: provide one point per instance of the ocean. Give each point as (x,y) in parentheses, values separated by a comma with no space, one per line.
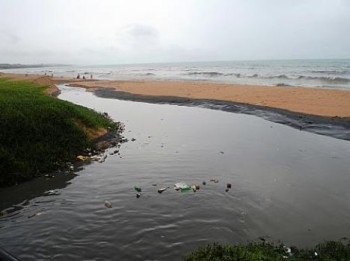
(334,74)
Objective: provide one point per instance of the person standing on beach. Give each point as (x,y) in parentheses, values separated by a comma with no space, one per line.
(78,76)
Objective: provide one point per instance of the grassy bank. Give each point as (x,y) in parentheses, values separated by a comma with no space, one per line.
(330,251)
(39,132)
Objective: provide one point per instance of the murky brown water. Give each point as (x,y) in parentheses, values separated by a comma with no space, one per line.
(287,185)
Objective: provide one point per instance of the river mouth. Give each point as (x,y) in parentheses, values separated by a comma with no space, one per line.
(287,185)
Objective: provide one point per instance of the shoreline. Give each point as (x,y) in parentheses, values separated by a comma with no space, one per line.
(305,100)
(320,111)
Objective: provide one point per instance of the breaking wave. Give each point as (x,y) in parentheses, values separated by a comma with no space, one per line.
(211,74)
(326,79)
(302,77)
(280,76)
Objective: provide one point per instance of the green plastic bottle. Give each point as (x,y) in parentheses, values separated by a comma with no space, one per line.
(137,188)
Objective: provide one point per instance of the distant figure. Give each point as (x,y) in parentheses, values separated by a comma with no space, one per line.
(90,76)
(78,76)
(83,77)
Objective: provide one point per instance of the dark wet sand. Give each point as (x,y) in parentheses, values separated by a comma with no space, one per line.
(331,126)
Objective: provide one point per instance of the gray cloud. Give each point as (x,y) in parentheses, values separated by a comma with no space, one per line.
(138,35)
(117,31)
(7,37)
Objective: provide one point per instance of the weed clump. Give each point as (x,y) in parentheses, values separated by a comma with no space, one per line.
(38,132)
(329,250)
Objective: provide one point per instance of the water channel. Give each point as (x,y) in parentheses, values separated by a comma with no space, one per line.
(287,185)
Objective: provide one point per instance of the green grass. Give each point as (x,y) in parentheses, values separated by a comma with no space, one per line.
(39,132)
(328,251)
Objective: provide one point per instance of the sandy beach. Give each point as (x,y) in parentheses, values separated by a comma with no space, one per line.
(312,101)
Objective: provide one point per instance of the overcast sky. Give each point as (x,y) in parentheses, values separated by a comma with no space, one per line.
(138,31)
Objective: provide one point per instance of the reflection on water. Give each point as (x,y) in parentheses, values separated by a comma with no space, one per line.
(286,185)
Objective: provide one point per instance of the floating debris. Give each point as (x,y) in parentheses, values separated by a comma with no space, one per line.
(227,190)
(214,180)
(108,204)
(204,183)
(195,187)
(137,188)
(138,195)
(182,186)
(161,190)
(185,189)
(228,185)
(103,159)
(123,140)
(35,214)
(133,139)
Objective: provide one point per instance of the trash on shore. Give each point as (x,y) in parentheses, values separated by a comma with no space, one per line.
(82,158)
(108,204)
(95,158)
(51,193)
(137,188)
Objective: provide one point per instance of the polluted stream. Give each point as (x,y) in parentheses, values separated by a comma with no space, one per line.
(286,185)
